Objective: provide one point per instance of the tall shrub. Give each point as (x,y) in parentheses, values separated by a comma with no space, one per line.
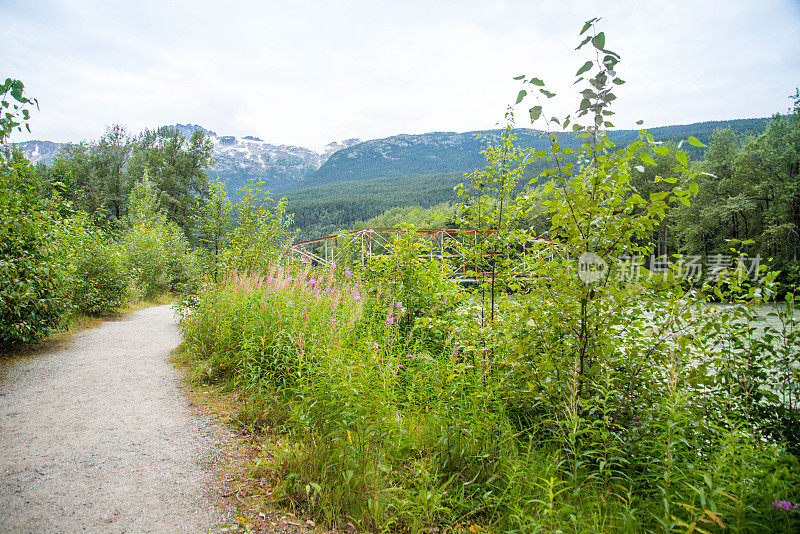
(156,253)
(99,281)
(33,300)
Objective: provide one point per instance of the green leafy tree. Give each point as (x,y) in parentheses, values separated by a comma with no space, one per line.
(213,225)
(262,234)
(156,252)
(33,299)
(177,167)
(14,108)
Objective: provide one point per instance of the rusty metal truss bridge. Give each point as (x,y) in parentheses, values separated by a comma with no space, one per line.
(451,244)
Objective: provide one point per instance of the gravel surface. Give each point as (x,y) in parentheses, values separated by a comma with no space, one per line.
(97,436)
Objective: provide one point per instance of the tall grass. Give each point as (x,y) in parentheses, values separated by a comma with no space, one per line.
(394,427)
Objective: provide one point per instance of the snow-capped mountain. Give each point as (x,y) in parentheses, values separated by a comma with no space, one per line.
(279,167)
(41,151)
(236,160)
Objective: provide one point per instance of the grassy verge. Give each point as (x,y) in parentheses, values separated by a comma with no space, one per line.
(249,469)
(361,415)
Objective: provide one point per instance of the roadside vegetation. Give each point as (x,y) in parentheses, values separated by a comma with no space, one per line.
(603,394)
(107,227)
(581,400)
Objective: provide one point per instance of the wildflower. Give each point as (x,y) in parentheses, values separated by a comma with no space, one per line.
(358,296)
(375,345)
(303,260)
(785,505)
(400,304)
(347,273)
(312,281)
(410,355)
(390,320)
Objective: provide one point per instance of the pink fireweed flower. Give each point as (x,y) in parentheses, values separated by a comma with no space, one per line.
(312,281)
(303,260)
(347,273)
(390,320)
(375,345)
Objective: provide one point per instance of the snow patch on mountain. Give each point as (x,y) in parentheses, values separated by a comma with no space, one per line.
(236,160)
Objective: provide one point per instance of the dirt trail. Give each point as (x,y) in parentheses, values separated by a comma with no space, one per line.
(96,436)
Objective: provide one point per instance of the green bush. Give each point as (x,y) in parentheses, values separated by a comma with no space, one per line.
(418,285)
(155,251)
(99,280)
(32,272)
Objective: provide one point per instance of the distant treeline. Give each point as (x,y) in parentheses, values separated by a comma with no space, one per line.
(97,177)
(748,198)
(348,188)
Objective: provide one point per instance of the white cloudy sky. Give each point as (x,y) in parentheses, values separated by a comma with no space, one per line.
(305,73)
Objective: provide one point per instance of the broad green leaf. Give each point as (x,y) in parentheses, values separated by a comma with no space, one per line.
(537,81)
(522,94)
(599,41)
(647,158)
(695,141)
(586,66)
(535,112)
(682,158)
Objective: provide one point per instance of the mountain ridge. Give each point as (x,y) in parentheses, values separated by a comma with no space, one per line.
(283,168)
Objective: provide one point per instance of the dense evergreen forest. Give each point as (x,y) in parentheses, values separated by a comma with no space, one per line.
(445,152)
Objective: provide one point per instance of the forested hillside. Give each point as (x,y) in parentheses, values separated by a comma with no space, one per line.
(443,152)
(324,209)
(350,187)
(281,168)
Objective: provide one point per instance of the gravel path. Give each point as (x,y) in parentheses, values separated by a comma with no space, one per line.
(96,436)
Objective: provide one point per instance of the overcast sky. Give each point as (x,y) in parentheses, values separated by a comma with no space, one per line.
(306,73)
